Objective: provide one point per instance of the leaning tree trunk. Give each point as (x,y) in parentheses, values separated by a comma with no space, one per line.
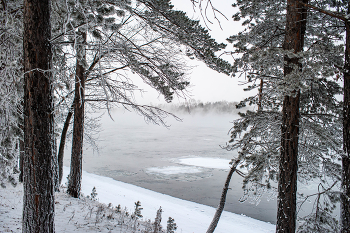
(74,182)
(21,151)
(62,145)
(221,205)
(38,201)
(20,162)
(288,167)
(345,199)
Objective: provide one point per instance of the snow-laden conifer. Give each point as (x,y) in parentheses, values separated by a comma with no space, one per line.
(157,222)
(171,225)
(261,60)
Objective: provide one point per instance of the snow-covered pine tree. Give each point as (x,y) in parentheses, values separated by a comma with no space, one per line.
(339,10)
(137,211)
(11,89)
(294,36)
(157,221)
(262,59)
(345,203)
(171,225)
(93,194)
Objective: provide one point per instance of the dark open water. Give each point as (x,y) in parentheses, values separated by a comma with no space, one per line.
(129,147)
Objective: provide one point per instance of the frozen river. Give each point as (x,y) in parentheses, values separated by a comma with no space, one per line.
(183,161)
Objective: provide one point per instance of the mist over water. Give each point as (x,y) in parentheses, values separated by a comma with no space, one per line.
(184,160)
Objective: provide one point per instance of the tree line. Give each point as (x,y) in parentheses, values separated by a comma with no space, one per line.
(193,106)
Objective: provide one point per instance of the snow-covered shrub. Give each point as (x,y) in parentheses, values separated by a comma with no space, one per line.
(171,225)
(157,221)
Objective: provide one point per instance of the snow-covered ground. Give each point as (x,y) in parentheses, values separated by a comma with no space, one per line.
(84,215)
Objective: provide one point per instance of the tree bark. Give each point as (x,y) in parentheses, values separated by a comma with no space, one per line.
(288,166)
(55,165)
(62,144)
(345,199)
(74,183)
(38,200)
(221,205)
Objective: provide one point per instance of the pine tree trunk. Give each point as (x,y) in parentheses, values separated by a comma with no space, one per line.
(38,200)
(55,165)
(74,183)
(221,206)
(62,145)
(345,199)
(287,183)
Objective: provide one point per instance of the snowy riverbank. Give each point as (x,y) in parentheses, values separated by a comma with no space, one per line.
(74,215)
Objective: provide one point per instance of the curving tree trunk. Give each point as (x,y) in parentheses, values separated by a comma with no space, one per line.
(21,150)
(38,200)
(221,205)
(62,145)
(74,182)
(21,157)
(288,166)
(345,199)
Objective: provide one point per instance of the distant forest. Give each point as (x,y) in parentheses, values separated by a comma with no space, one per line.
(194,106)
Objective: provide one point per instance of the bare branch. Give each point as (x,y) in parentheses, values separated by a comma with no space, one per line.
(330,13)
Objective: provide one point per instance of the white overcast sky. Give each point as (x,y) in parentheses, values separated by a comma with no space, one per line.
(207,85)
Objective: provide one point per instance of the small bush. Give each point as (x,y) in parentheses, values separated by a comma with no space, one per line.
(93,194)
(171,225)
(137,213)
